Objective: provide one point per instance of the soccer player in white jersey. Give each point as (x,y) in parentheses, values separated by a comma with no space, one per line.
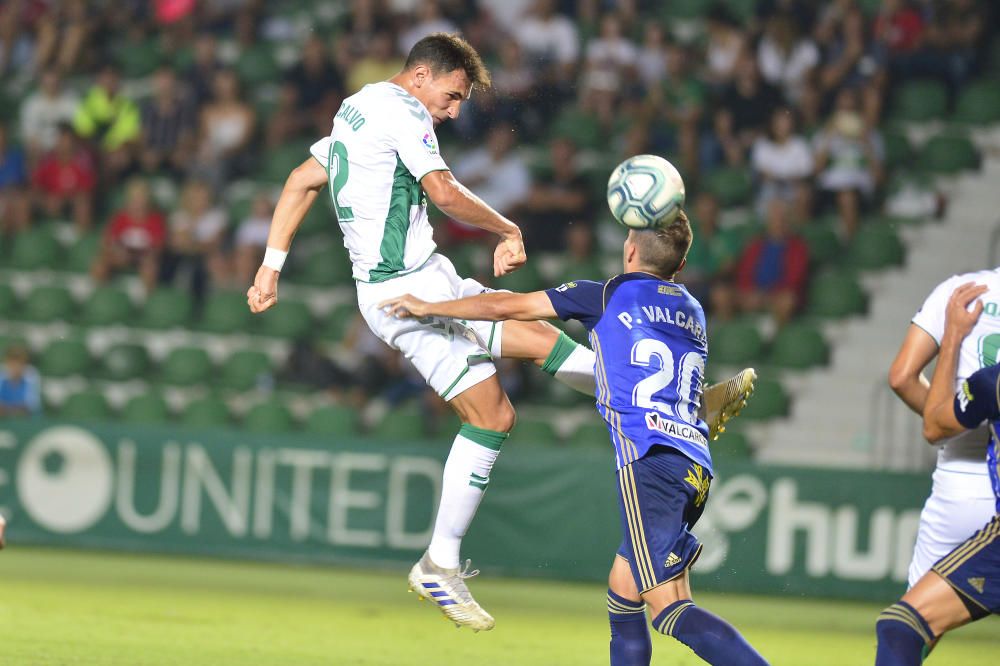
(382,163)
(961,499)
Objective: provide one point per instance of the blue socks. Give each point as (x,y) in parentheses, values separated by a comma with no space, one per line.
(903,636)
(712,638)
(630,644)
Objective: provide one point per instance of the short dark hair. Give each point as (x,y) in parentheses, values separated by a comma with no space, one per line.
(662,250)
(445,53)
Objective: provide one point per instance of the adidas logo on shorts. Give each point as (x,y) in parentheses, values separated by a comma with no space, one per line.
(673,560)
(978,584)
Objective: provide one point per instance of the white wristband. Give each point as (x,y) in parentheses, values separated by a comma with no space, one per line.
(274,258)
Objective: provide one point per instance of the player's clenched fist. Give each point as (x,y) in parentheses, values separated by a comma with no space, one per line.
(264,292)
(509,255)
(402,307)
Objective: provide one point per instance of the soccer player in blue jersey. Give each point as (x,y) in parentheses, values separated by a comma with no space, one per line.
(649,336)
(962,586)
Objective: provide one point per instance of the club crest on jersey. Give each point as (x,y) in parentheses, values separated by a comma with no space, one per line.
(566,287)
(654,421)
(430,143)
(964,397)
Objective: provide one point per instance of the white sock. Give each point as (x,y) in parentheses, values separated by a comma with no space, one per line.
(466,475)
(572,364)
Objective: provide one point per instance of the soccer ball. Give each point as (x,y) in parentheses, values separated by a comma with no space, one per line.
(645,191)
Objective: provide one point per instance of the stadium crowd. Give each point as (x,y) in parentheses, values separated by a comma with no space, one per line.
(787,97)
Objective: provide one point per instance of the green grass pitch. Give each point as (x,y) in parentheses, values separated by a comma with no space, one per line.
(68,608)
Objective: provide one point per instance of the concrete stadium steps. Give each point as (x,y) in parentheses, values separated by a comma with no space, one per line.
(845,414)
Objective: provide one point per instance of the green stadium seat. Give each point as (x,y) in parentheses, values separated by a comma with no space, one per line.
(167,308)
(107,306)
(536,431)
(582,128)
(186,366)
(685,9)
(35,249)
(948,154)
(137,58)
(592,434)
(281,161)
(269,417)
(735,343)
(333,420)
(875,247)
(769,401)
(978,104)
(85,406)
(256,66)
(208,412)
(919,101)
(288,320)
(731,445)
(824,244)
(148,408)
(745,10)
(8,301)
(799,345)
(338,323)
(898,150)
(65,358)
(402,425)
(125,361)
(732,185)
(225,312)
(524,279)
(835,295)
(241,371)
(328,268)
(80,255)
(47,303)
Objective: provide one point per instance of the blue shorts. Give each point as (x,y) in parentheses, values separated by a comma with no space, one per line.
(973,570)
(661,496)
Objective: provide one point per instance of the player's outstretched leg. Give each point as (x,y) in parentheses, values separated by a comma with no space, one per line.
(550,349)
(630,642)
(438,576)
(712,638)
(723,401)
(903,636)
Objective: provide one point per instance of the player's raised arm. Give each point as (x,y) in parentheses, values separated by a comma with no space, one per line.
(459,202)
(493,306)
(906,377)
(940,418)
(301,188)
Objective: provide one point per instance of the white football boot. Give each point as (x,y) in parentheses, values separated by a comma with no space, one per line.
(447,589)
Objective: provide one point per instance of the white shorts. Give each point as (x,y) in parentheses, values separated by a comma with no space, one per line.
(959,505)
(451,355)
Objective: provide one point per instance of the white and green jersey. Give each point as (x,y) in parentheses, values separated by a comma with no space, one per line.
(382,144)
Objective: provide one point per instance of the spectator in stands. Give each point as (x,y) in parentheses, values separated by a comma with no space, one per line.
(550,40)
(18,25)
(319,88)
(379,63)
(848,157)
(43,111)
(725,44)
(195,236)
(899,29)
(849,58)
(557,202)
(783,163)
(14,201)
(744,110)
(611,58)
(785,55)
(427,19)
(133,239)
(711,260)
(64,181)
(957,37)
(109,119)
(251,239)
(168,125)
(680,100)
(496,171)
(201,75)
(20,385)
(63,32)
(651,61)
(771,272)
(226,127)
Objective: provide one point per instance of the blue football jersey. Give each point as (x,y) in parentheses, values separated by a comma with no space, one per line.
(650,342)
(978,400)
